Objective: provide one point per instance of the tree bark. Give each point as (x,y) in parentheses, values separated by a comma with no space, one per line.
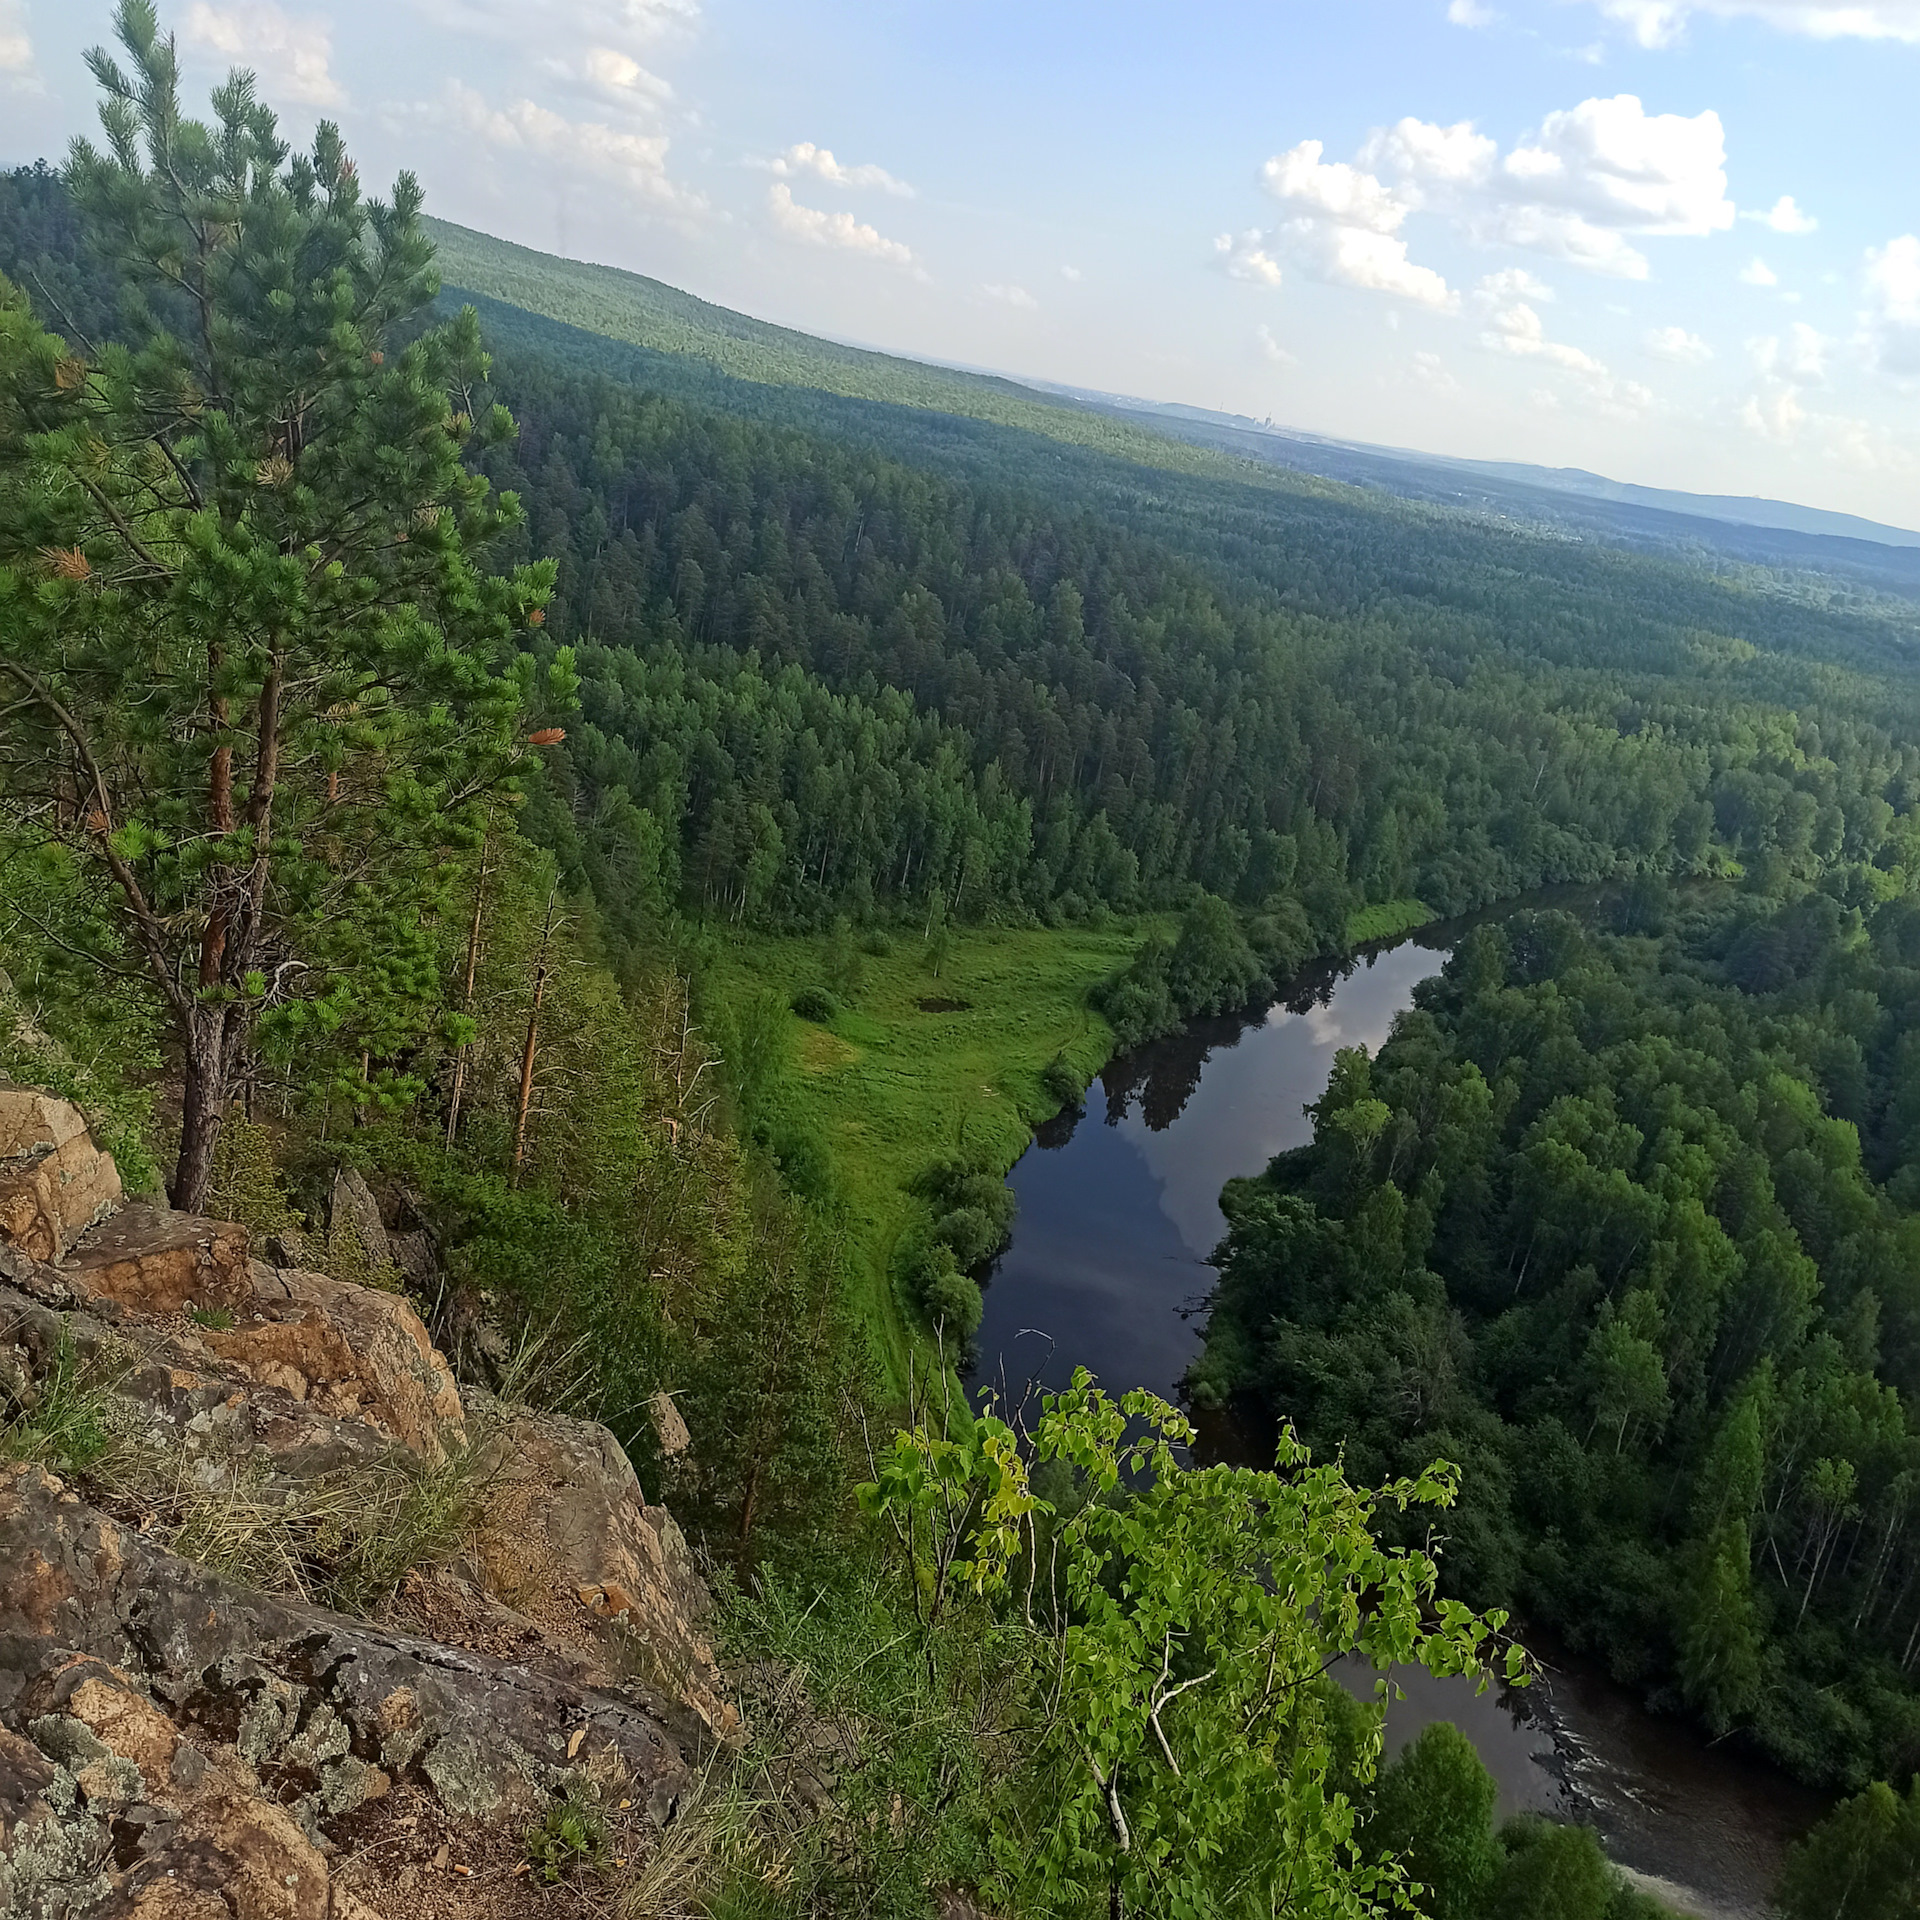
(532,1046)
(203,1106)
(466,999)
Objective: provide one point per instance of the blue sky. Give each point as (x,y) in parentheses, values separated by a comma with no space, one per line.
(1670,240)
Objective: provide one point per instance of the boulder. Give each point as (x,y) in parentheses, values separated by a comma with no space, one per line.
(169,1395)
(353,1352)
(569,1539)
(54,1182)
(335,1710)
(669,1428)
(352,1205)
(187,1823)
(150,1260)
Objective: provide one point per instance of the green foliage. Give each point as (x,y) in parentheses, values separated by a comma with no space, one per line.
(60,1421)
(1208,968)
(1177,1624)
(1861,1863)
(1433,1809)
(816,1004)
(1551,1873)
(1386,920)
(892,1088)
(571,1839)
(1592,1224)
(257,683)
(248,1186)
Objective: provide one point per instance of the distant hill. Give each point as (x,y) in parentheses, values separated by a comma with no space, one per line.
(1740,510)
(648,313)
(664,321)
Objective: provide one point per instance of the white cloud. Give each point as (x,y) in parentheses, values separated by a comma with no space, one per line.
(1573,190)
(1431,371)
(1800,355)
(1346,233)
(1676,344)
(1011,296)
(1244,257)
(292,56)
(804,157)
(1470,13)
(1756,273)
(1514,327)
(617,78)
(1511,283)
(1071,273)
(1607,168)
(548,23)
(839,230)
(1786,215)
(1342,193)
(1774,414)
(1374,262)
(1271,349)
(1893,280)
(1661,23)
(16,45)
(523,131)
(1893,305)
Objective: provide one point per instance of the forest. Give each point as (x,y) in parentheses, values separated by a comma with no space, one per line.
(1622,1222)
(523,765)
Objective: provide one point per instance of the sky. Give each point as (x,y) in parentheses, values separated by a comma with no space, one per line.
(1672,241)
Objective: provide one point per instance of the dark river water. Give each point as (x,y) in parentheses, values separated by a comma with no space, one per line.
(1119,1208)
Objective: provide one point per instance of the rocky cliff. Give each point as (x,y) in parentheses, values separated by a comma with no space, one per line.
(290,1625)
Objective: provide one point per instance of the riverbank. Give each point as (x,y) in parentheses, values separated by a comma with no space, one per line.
(914,1064)
(1119,1208)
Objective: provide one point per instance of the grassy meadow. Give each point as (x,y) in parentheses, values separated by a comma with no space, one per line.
(916,1066)
(1387,921)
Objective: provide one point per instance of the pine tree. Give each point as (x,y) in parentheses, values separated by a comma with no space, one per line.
(258,684)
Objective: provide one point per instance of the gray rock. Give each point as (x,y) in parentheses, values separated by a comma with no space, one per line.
(352,1204)
(294,1685)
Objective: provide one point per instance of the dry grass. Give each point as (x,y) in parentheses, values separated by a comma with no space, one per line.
(344,1540)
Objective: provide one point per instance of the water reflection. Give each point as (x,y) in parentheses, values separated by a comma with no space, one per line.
(1120,1207)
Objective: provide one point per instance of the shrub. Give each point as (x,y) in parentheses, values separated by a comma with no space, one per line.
(816,1004)
(952,1302)
(571,1839)
(972,1234)
(1062,1082)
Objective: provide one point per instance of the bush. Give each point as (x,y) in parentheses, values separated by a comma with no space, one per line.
(572,1838)
(1062,1082)
(878,942)
(952,1302)
(972,1234)
(806,1167)
(816,1004)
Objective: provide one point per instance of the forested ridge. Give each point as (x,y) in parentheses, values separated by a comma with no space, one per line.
(500,697)
(1353,707)
(1622,1222)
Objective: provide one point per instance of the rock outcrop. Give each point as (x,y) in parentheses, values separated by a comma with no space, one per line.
(176,1743)
(54,1182)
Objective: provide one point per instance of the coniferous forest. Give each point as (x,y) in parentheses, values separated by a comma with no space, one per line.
(516,758)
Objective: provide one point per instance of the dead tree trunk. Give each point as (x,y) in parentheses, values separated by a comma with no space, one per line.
(533,1044)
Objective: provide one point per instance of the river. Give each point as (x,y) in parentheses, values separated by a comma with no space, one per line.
(1119,1208)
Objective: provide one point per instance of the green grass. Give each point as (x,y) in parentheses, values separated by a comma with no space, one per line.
(890,1086)
(1385,920)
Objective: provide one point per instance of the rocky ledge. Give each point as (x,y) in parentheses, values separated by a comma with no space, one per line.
(187,1730)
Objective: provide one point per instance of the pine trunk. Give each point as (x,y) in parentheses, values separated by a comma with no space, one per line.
(203,1105)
